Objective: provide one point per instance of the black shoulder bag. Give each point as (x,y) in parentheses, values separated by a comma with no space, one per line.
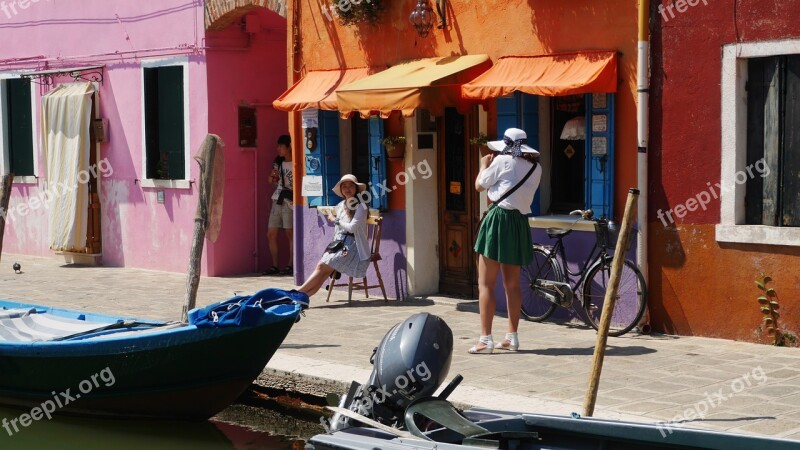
(505,195)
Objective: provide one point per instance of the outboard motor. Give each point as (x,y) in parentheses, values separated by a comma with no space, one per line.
(411,362)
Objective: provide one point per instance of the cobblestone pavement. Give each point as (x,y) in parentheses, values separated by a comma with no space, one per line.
(697,382)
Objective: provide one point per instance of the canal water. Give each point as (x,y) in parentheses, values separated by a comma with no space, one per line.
(239,427)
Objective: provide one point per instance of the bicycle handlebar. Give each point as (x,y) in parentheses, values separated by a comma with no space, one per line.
(585,214)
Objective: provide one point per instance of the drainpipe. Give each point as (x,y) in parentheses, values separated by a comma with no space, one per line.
(643,87)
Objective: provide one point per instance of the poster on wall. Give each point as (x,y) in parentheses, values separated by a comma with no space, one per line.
(312,186)
(310,118)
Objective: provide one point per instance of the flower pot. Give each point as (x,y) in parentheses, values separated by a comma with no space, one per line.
(396,151)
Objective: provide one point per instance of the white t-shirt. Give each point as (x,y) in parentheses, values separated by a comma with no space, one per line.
(288,179)
(504,173)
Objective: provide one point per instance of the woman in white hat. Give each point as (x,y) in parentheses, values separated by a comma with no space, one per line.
(350,219)
(511,176)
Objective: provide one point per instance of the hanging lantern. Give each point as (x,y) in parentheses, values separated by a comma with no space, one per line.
(422,18)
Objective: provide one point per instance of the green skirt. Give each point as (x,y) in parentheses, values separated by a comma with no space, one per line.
(505,236)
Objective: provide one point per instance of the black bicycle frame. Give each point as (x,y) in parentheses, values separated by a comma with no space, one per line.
(560,249)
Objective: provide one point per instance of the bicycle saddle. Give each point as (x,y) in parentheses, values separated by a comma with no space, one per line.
(558,232)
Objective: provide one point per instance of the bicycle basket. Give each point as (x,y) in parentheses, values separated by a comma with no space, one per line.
(607,235)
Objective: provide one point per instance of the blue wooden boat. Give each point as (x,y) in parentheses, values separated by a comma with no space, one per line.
(65,361)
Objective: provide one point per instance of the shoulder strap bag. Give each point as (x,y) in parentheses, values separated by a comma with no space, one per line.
(505,195)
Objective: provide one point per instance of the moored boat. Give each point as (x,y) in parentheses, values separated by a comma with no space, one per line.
(56,360)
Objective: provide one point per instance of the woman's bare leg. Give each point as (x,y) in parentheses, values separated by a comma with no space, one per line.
(487,279)
(511,281)
(317,279)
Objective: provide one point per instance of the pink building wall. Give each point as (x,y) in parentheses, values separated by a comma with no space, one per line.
(247,68)
(137,231)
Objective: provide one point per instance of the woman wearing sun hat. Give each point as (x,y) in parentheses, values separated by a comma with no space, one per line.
(350,218)
(511,176)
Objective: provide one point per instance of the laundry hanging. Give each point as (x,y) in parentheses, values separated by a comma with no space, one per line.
(66,117)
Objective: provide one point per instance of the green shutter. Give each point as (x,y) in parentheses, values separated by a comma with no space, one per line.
(600,154)
(20,126)
(790,182)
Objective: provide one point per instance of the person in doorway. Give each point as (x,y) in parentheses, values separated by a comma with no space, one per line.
(350,217)
(511,175)
(281,214)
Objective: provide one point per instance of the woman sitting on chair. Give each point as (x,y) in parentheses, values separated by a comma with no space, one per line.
(351,226)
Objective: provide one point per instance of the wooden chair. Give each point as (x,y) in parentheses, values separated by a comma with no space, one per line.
(374,226)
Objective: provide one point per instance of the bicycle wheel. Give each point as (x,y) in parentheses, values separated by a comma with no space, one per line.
(631,296)
(535,306)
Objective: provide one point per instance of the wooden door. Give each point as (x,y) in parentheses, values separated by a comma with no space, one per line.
(457,200)
(94,241)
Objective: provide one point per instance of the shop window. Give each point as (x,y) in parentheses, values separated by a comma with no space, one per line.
(582,148)
(773,141)
(165,122)
(368,158)
(18,126)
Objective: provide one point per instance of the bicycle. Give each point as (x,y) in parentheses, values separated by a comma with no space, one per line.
(545,277)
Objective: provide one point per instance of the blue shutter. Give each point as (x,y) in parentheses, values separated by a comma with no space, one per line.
(507,113)
(377,164)
(521,111)
(530,123)
(600,155)
(324,160)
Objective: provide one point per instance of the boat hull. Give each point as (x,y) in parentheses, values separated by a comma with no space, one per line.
(185,373)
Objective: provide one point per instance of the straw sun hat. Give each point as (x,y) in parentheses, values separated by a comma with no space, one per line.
(351,178)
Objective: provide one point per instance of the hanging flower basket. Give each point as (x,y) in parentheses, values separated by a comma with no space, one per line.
(395,146)
(354,12)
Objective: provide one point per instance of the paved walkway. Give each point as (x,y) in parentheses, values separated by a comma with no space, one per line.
(699,382)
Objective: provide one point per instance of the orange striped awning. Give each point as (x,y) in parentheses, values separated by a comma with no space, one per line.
(317,89)
(429,83)
(550,75)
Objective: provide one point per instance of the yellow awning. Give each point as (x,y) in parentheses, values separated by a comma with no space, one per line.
(430,83)
(317,89)
(551,75)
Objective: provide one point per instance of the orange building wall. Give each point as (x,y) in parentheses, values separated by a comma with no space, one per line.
(708,289)
(493,27)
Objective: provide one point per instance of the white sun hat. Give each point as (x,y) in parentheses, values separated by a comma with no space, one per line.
(513,139)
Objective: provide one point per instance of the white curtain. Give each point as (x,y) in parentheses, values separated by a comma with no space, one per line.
(66,117)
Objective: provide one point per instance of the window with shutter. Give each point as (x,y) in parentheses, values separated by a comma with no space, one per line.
(18,126)
(164,122)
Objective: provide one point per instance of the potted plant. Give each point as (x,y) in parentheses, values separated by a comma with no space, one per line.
(354,12)
(395,146)
(480,140)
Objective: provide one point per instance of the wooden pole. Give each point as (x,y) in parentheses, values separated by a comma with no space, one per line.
(608,303)
(5,194)
(205,158)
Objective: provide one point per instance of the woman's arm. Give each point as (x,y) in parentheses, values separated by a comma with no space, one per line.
(486,161)
(358,220)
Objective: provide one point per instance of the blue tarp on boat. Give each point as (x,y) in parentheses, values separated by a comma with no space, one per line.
(247,310)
